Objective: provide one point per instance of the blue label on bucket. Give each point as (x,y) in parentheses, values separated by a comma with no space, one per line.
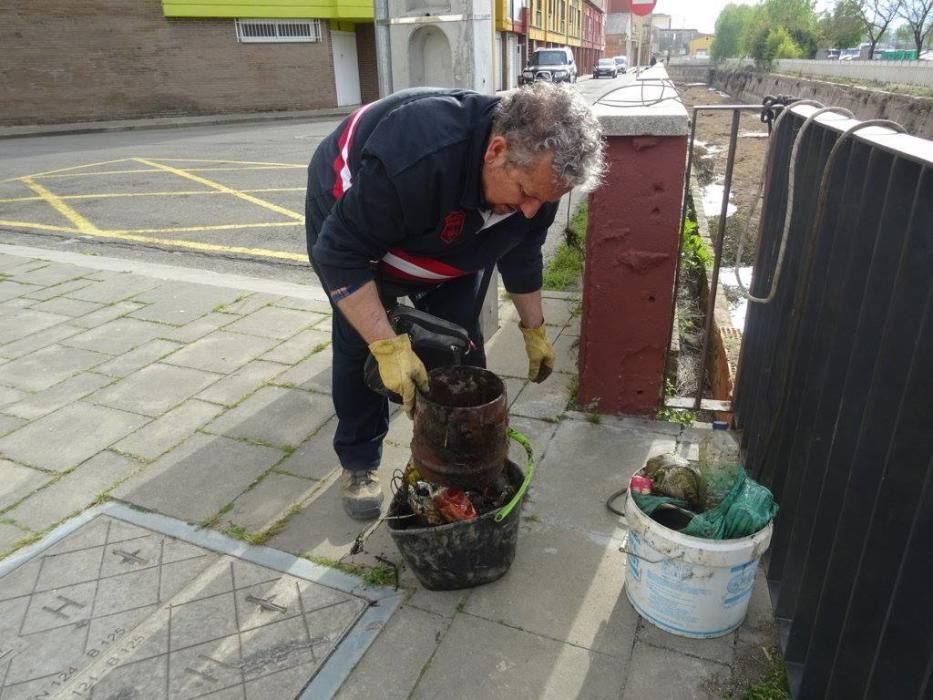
(633,561)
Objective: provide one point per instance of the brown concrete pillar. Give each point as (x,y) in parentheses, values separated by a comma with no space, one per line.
(631,252)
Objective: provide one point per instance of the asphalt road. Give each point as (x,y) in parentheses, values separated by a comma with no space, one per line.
(224,198)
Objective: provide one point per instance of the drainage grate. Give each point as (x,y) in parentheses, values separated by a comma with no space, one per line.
(119,604)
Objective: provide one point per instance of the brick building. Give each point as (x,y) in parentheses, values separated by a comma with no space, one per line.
(85,60)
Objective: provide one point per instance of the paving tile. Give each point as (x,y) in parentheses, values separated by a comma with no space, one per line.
(155,389)
(10,396)
(573,326)
(138,358)
(69,436)
(66,307)
(268,501)
(15,305)
(9,535)
(565,348)
(539,434)
(588,609)
(117,288)
(404,645)
(198,328)
(662,673)
(315,457)
(246,304)
(221,352)
(607,455)
(10,423)
(74,491)
(17,482)
(325,325)
(401,430)
(481,659)
(168,430)
(106,314)
(235,387)
(47,367)
(117,337)
(759,627)
(39,340)
(321,306)
(719,649)
(321,528)
(557,312)
(51,274)
(179,303)
(275,322)
(11,290)
(44,402)
(311,374)
(59,290)
(297,348)
(547,400)
(199,477)
(275,416)
(505,353)
(23,324)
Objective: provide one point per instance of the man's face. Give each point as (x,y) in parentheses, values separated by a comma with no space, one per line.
(508,189)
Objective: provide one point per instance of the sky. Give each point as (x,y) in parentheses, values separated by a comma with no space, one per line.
(702,14)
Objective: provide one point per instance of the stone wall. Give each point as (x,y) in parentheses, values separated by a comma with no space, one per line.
(913,113)
(88,60)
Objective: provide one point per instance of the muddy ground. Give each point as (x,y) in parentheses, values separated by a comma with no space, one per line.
(710,156)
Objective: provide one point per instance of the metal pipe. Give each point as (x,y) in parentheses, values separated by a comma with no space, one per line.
(680,239)
(714,281)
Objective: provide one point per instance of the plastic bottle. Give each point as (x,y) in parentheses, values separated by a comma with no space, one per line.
(719,463)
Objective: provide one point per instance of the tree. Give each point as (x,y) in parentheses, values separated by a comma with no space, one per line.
(843,26)
(919,16)
(876,16)
(730,28)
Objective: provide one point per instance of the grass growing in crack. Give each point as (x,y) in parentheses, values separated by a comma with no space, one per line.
(214,520)
(773,686)
(370,575)
(683,416)
(564,270)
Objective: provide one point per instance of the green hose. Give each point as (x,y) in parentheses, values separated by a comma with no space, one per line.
(516,499)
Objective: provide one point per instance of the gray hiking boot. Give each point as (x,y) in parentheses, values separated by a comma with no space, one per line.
(362,495)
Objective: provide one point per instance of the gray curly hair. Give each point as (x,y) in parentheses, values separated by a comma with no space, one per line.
(544,117)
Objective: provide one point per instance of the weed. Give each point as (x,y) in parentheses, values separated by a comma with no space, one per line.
(370,575)
(774,684)
(674,415)
(594,418)
(694,254)
(564,270)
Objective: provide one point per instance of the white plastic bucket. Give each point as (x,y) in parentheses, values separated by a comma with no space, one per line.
(686,585)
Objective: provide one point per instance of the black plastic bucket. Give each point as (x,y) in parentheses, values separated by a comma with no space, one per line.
(461,554)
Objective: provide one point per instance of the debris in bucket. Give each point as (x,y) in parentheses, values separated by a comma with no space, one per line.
(432,504)
(712,501)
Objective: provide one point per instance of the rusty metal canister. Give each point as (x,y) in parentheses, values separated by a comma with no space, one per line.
(461,428)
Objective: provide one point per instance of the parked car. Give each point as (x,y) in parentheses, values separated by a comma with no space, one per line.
(554,64)
(606,66)
(621,63)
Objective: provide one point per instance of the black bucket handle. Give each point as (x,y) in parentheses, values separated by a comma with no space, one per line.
(516,499)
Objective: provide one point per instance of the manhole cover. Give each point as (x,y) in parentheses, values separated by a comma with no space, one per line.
(121,605)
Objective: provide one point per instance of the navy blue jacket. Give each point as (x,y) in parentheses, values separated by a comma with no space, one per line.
(397,187)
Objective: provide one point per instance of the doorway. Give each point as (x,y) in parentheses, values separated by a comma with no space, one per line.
(346,68)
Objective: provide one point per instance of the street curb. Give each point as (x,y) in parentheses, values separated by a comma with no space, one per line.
(12,132)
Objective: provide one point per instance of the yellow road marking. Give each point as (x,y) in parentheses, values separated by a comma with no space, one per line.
(41,227)
(61,176)
(217,227)
(73,167)
(223,188)
(244,162)
(110,195)
(169,242)
(54,201)
(252,167)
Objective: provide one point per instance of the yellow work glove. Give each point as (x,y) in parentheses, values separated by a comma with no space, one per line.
(400,368)
(540,353)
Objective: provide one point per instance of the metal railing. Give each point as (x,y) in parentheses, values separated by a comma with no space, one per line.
(833,398)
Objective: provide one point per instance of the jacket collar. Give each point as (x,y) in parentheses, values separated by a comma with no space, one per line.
(472,197)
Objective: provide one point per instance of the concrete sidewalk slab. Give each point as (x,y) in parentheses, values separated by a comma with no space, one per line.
(224,420)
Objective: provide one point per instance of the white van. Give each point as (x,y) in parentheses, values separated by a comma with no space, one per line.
(554,64)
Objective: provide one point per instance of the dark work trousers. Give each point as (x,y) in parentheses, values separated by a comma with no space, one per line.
(362,414)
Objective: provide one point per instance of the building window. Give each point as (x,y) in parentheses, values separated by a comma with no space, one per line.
(277,30)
